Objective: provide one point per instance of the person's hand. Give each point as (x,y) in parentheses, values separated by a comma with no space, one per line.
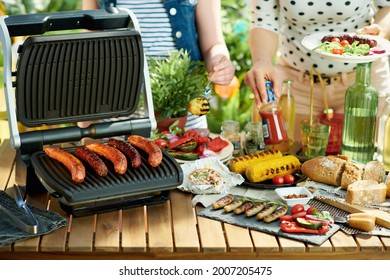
(256,77)
(373,29)
(222,72)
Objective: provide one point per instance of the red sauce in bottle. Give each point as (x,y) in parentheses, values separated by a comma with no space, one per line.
(274,130)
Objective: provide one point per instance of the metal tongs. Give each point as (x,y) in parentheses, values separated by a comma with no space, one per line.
(26,220)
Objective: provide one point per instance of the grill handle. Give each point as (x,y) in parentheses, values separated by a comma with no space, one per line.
(33,141)
(34,24)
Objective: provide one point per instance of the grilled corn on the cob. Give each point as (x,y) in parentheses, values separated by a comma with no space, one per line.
(240,164)
(265,170)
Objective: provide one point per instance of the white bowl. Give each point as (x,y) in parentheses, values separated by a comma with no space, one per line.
(282,192)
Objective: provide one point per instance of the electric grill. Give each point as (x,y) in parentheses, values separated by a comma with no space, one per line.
(79,76)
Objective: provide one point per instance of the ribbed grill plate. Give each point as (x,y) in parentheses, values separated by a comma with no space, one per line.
(145,179)
(73,77)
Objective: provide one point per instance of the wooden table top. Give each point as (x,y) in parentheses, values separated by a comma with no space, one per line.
(169,230)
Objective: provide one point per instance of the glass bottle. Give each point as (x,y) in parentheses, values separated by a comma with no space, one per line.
(287,102)
(231,131)
(383,147)
(254,141)
(274,131)
(360,110)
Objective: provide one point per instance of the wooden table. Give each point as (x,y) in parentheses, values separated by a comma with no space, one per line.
(170,230)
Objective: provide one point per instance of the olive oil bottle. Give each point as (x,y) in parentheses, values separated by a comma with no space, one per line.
(360,110)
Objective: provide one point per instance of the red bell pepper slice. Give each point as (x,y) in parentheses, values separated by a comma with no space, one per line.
(180,141)
(214,145)
(293,227)
(196,135)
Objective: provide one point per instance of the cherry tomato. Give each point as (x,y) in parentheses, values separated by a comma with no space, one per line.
(278,180)
(286,218)
(337,51)
(297,208)
(344,43)
(335,39)
(299,215)
(288,179)
(161,143)
(311,209)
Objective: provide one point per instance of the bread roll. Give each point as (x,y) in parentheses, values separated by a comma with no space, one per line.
(374,170)
(324,169)
(387,182)
(366,192)
(352,173)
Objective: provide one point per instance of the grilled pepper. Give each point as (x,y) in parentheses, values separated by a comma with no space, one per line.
(183,155)
(293,227)
(309,223)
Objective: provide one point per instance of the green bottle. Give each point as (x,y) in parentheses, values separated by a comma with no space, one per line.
(360,110)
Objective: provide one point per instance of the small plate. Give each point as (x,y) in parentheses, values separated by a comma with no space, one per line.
(299,177)
(223,155)
(314,40)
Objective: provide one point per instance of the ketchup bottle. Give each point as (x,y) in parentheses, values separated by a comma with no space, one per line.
(274,130)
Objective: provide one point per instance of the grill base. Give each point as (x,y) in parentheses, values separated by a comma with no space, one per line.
(86,209)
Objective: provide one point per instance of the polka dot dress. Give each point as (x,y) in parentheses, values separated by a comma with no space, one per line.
(296,19)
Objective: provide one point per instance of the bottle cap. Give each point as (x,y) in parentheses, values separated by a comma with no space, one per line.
(270,91)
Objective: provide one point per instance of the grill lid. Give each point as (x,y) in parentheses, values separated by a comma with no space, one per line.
(73,77)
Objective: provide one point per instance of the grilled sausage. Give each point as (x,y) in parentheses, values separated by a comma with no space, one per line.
(275,215)
(154,152)
(114,155)
(268,210)
(128,150)
(235,204)
(255,209)
(247,205)
(93,160)
(72,163)
(227,199)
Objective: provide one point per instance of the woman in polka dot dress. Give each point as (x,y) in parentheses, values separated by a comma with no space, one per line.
(280,26)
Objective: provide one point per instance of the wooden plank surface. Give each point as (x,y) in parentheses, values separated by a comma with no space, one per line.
(56,240)
(184,223)
(290,245)
(107,232)
(134,230)
(211,235)
(344,242)
(7,156)
(160,228)
(81,234)
(369,242)
(264,242)
(238,239)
